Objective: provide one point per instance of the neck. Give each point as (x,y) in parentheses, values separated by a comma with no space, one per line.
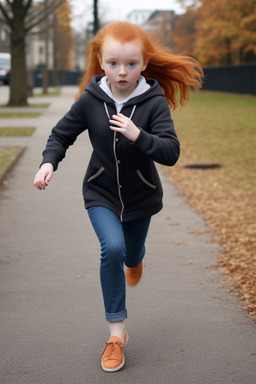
(119,95)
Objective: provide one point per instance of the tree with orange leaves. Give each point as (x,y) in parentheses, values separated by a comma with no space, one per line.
(63,37)
(225,31)
(183,35)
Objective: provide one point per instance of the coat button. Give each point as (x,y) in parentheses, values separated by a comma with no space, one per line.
(117,139)
(120,186)
(118,161)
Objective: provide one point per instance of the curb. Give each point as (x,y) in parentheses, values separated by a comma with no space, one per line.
(10,167)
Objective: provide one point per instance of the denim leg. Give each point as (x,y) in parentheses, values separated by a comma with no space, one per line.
(120,243)
(109,230)
(135,233)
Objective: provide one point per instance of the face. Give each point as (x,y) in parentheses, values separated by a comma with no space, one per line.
(122,64)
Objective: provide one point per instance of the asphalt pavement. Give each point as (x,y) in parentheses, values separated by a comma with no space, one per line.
(183,327)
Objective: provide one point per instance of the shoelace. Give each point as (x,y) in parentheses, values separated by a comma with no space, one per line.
(111,344)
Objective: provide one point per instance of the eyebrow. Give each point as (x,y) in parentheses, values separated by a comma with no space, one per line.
(129,59)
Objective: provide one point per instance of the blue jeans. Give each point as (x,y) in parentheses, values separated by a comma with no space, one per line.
(121,243)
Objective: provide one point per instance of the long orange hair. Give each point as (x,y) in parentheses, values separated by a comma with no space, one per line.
(175,74)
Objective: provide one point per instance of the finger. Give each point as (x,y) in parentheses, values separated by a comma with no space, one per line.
(39,183)
(122,116)
(117,120)
(117,129)
(38,186)
(36,183)
(48,177)
(119,117)
(116,123)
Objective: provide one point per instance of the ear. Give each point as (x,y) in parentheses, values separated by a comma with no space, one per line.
(144,66)
(100,61)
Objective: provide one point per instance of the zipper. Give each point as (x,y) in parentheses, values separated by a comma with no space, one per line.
(116,161)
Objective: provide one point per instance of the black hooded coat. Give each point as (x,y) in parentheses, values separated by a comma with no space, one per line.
(121,175)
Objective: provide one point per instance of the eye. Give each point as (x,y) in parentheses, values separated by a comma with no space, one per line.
(112,63)
(131,64)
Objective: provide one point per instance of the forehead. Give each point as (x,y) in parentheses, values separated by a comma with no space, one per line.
(113,47)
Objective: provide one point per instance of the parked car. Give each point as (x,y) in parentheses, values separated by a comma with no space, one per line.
(5,67)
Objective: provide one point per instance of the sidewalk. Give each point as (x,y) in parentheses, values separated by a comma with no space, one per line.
(183,327)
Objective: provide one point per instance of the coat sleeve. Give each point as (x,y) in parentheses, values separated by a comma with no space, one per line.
(64,134)
(160,142)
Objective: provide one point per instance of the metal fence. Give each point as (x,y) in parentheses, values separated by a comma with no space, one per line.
(228,78)
(57,77)
(231,78)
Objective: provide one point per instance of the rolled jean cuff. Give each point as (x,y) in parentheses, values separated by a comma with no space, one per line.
(116,317)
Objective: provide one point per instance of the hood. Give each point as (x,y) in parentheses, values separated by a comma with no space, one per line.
(94,88)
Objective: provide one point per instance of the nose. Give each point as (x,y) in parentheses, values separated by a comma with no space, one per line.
(122,70)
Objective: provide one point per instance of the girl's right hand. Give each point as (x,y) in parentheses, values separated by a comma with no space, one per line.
(43,176)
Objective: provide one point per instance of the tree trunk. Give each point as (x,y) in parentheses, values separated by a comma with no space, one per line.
(46,40)
(96,24)
(18,77)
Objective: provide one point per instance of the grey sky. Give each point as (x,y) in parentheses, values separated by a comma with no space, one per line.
(112,10)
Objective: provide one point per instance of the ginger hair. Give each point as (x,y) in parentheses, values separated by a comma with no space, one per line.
(175,74)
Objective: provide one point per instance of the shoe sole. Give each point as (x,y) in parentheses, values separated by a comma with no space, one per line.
(113,369)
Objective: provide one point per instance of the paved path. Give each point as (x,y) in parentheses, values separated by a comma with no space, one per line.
(183,327)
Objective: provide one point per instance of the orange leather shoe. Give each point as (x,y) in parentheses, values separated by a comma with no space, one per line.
(133,275)
(112,355)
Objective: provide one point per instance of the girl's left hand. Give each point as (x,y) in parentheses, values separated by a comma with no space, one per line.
(125,126)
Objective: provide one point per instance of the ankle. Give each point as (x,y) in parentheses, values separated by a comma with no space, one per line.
(118,329)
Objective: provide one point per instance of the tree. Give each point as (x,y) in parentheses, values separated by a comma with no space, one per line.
(96,23)
(183,34)
(226,31)
(63,37)
(21,17)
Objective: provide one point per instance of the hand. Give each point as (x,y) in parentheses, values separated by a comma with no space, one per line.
(43,176)
(125,126)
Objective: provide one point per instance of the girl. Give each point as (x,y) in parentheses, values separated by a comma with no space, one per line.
(130,127)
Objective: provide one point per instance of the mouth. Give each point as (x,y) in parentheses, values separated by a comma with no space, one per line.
(122,82)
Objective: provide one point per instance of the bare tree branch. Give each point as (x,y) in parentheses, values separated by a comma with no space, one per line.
(5,14)
(26,8)
(2,20)
(42,15)
(43,30)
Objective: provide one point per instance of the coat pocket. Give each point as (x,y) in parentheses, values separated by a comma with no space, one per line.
(95,175)
(144,180)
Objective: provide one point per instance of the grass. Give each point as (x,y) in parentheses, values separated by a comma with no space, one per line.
(221,128)
(33,105)
(39,105)
(8,156)
(19,114)
(52,93)
(14,131)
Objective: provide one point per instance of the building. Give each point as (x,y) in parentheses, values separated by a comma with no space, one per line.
(39,49)
(158,23)
(139,16)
